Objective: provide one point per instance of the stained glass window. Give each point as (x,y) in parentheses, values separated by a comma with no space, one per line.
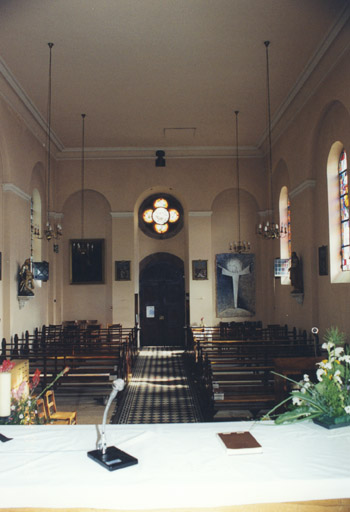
(343,175)
(289,230)
(161,216)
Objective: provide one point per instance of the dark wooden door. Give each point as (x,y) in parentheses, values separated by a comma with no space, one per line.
(162,302)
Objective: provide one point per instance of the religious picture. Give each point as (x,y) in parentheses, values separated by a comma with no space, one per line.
(122,270)
(199,269)
(87,261)
(235,285)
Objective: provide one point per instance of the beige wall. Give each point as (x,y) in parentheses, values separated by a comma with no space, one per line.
(206,189)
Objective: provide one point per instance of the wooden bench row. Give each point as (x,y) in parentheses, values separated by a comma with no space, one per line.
(239,374)
(93,361)
(247,330)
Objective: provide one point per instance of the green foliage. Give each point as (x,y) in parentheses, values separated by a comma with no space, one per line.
(329,397)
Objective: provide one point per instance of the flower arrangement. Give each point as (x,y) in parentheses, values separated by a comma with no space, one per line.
(327,400)
(23,403)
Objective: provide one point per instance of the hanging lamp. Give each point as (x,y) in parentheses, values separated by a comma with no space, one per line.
(238,246)
(56,230)
(270,230)
(84,246)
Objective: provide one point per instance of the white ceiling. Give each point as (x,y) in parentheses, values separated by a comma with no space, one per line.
(162,73)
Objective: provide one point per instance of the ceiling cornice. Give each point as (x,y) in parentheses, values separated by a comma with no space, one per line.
(13,94)
(149,153)
(309,69)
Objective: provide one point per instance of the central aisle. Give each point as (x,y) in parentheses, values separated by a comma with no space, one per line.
(159,391)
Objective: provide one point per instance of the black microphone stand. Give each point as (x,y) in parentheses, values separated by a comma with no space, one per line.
(111,457)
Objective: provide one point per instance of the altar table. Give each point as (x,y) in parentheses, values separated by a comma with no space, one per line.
(181,466)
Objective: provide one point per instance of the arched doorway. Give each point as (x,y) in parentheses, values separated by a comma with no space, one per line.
(162,300)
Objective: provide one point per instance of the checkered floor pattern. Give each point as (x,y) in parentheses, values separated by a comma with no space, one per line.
(159,391)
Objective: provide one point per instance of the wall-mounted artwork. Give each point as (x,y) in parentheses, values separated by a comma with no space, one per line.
(87,261)
(235,285)
(122,270)
(199,270)
(323,260)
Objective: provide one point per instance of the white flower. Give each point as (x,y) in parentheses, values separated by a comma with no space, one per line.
(337,377)
(296,400)
(346,359)
(338,351)
(319,374)
(307,385)
(21,416)
(306,378)
(347,409)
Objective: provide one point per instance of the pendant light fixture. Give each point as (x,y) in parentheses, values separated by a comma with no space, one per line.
(238,246)
(270,230)
(84,247)
(56,230)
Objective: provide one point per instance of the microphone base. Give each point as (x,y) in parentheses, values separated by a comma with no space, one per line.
(113,458)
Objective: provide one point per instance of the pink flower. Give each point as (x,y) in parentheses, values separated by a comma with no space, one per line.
(17,394)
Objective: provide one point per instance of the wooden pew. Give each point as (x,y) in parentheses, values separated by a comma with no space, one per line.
(237,374)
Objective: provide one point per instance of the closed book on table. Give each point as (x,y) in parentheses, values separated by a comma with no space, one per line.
(238,443)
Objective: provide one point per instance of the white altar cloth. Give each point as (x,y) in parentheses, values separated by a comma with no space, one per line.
(180,466)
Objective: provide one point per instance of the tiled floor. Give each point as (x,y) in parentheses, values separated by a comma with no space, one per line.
(159,391)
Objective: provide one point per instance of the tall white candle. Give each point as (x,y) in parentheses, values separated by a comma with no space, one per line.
(5,393)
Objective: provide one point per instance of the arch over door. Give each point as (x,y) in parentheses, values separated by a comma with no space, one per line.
(162,300)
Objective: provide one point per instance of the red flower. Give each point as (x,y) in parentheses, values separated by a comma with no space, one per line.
(7,365)
(35,379)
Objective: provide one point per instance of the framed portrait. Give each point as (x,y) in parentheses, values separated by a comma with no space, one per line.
(122,270)
(199,270)
(87,261)
(323,260)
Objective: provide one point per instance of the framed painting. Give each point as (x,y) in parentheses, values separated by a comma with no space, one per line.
(323,260)
(122,270)
(235,285)
(87,261)
(199,270)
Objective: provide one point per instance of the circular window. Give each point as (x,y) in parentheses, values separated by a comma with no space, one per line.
(161,216)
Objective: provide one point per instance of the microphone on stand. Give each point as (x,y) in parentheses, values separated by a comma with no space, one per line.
(111,457)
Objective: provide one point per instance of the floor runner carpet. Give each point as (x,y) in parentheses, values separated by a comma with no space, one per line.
(159,391)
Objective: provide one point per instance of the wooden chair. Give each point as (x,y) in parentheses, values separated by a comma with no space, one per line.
(55,416)
(40,405)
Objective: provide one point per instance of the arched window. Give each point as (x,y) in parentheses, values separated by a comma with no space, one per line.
(286,238)
(338,214)
(343,177)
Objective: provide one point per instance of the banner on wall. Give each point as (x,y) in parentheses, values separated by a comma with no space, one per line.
(235,285)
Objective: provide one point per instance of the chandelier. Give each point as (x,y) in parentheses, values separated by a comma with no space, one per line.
(270,230)
(238,246)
